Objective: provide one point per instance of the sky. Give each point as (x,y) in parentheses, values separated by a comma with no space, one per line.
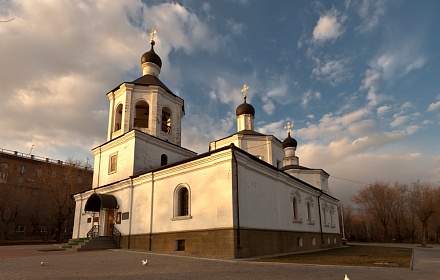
(360,80)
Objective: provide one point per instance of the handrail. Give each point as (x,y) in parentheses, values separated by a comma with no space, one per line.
(86,166)
(116,234)
(93,232)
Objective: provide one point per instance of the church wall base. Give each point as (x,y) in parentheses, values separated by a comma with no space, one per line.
(220,242)
(256,242)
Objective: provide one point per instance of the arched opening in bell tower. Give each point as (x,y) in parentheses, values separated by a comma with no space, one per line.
(142,114)
(118,118)
(166,120)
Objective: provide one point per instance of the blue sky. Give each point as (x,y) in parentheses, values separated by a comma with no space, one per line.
(359,79)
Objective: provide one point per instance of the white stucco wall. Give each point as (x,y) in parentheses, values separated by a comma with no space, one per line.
(265,147)
(265,198)
(136,153)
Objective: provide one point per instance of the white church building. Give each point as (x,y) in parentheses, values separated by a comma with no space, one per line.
(247,196)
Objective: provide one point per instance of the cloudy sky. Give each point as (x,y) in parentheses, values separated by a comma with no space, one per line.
(359,79)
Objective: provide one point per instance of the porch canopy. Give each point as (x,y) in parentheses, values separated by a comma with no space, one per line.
(96,202)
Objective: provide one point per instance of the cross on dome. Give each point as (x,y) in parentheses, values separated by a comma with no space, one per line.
(244,91)
(152,33)
(288,127)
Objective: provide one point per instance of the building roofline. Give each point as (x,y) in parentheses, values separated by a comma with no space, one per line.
(120,136)
(233,148)
(41,159)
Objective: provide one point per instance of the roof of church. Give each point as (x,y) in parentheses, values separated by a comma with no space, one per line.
(150,80)
(287,167)
(233,148)
(147,80)
(247,132)
(151,56)
(245,108)
(289,142)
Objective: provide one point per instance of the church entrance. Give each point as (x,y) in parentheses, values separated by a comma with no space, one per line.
(102,208)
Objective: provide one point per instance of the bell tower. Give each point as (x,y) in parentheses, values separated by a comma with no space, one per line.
(146,104)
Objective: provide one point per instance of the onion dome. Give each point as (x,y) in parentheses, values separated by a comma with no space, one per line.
(245,108)
(151,56)
(289,142)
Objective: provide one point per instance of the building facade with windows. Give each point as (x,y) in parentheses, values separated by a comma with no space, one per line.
(27,185)
(247,196)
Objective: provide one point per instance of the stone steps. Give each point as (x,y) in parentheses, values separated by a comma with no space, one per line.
(91,244)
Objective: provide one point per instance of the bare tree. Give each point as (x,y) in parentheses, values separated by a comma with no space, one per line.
(422,200)
(11,204)
(60,182)
(399,209)
(374,203)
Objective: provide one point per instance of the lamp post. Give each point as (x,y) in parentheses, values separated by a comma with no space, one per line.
(344,241)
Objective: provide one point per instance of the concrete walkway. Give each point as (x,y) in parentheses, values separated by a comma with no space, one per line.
(23,262)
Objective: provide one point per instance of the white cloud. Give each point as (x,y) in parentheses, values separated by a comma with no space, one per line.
(268,106)
(227,93)
(382,110)
(371,11)
(390,65)
(235,28)
(199,130)
(329,27)
(275,128)
(57,65)
(332,71)
(308,96)
(434,106)
(399,120)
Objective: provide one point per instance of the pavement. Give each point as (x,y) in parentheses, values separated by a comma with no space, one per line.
(24,262)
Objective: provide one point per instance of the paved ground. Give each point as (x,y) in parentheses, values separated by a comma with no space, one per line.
(23,262)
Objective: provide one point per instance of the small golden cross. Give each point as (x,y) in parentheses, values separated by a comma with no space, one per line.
(288,127)
(153,31)
(244,90)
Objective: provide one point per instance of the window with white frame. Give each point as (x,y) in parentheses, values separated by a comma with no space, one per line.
(166,120)
(118,118)
(113,163)
(182,202)
(295,197)
(331,213)
(295,208)
(309,208)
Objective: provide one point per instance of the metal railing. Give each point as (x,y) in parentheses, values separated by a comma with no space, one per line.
(43,159)
(93,232)
(116,234)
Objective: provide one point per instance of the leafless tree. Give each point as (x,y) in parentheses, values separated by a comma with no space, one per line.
(422,200)
(399,209)
(374,202)
(11,203)
(61,181)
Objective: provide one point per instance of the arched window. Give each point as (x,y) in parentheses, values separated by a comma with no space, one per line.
(309,213)
(295,196)
(166,120)
(295,208)
(142,114)
(118,118)
(183,203)
(163,160)
(332,212)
